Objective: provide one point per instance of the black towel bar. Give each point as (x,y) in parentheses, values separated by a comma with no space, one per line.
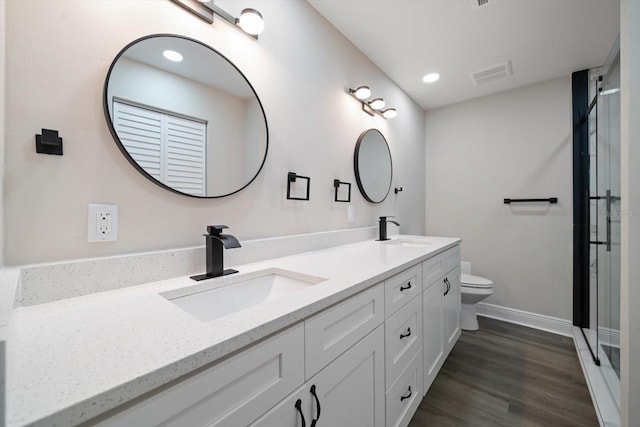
(550,200)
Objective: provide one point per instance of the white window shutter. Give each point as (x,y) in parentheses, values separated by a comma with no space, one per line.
(185,155)
(169,148)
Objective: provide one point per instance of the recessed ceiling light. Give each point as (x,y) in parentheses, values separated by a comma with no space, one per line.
(172,55)
(431,77)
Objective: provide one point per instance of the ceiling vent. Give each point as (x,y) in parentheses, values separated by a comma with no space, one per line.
(492,73)
(478,4)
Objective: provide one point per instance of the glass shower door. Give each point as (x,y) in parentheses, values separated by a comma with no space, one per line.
(604,151)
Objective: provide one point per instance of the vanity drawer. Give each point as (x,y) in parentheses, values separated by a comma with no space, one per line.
(403,338)
(401,288)
(436,267)
(330,333)
(233,392)
(404,396)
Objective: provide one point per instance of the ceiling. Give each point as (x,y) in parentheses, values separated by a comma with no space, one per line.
(198,63)
(543,39)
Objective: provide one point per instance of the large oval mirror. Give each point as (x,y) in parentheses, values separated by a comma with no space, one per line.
(185,116)
(373,166)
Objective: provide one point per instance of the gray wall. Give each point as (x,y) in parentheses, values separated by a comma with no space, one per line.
(630,145)
(300,68)
(514,144)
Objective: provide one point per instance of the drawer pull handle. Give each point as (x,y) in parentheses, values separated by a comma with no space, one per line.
(299,408)
(446,282)
(404,288)
(402,336)
(315,396)
(407,396)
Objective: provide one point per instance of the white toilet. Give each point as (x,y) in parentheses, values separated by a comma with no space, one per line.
(473,289)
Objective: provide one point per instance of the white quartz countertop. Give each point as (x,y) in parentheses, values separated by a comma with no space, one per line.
(71,360)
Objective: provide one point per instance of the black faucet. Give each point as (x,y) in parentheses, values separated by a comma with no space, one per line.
(215,243)
(383,227)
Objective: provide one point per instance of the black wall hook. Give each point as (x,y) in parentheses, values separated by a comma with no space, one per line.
(49,142)
(397,190)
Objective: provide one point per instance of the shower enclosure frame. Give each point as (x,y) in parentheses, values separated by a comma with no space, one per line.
(596,242)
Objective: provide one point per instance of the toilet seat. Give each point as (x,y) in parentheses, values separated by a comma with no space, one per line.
(471,281)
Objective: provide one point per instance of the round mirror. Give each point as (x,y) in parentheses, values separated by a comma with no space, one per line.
(185,116)
(373,167)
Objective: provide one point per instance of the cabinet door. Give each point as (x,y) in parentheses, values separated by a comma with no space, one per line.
(231,393)
(331,332)
(433,341)
(435,267)
(452,308)
(350,391)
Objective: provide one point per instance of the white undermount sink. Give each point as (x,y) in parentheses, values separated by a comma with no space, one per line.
(212,299)
(411,243)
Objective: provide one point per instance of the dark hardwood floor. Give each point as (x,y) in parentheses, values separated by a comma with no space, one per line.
(508,375)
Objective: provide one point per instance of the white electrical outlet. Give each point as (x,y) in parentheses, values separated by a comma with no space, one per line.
(102,223)
(351,213)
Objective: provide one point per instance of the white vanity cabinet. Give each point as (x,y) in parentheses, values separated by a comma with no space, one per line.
(441,301)
(366,361)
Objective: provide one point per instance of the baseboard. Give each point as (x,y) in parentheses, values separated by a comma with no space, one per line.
(525,318)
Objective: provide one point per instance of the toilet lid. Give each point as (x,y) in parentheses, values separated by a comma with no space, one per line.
(471,281)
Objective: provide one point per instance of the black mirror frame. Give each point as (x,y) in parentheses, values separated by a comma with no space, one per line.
(357,169)
(126,153)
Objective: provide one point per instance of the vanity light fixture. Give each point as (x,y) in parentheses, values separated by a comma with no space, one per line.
(361,92)
(372,106)
(172,55)
(377,103)
(389,113)
(250,20)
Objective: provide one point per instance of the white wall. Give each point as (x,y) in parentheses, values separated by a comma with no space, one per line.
(300,68)
(515,144)
(2,143)
(2,124)
(630,145)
